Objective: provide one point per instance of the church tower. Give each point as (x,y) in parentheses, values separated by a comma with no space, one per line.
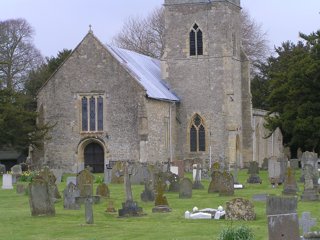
(205,66)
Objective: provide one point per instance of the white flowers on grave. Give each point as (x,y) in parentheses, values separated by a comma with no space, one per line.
(206,213)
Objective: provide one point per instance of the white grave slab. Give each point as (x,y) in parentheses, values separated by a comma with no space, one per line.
(174,169)
(7,181)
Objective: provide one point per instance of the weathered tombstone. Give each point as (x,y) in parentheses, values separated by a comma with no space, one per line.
(309,163)
(197,182)
(7,181)
(310,158)
(310,192)
(282,217)
(117,173)
(274,170)
(130,208)
(16,172)
(69,196)
(41,202)
(71,179)
(264,165)
(161,202)
(174,182)
(306,222)
(88,201)
(196,169)
(254,171)
(294,163)
(174,170)
(240,209)
(180,165)
(110,208)
(216,177)
(58,174)
(85,178)
(138,173)
(107,174)
(21,188)
(103,190)
(148,193)
(290,186)
(185,190)
(226,184)
(50,178)
(2,169)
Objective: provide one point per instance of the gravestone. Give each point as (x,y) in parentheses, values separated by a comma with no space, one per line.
(21,188)
(138,173)
(264,165)
(2,169)
(185,190)
(306,222)
(71,179)
(310,192)
(69,197)
(282,217)
(7,181)
(148,193)
(274,170)
(50,178)
(110,208)
(174,170)
(107,174)
(16,172)
(197,182)
(196,169)
(240,209)
(117,173)
(216,177)
(294,164)
(85,178)
(88,201)
(310,158)
(58,174)
(226,187)
(180,165)
(161,202)
(174,181)
(103,190)
(254,171)
(40,199)
(290,186)
(130,208)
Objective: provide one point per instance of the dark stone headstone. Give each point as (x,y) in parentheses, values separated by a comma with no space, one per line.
(264,165)
(240,209)
(226,184)
(69,197)
(310,192)
(254,171)
(214,185)
(103,190)
(174,182)
(185,190)
(41,202)
(283,226)
(148,193)
(2,169)
(21,188)
(290,186)
(281,205)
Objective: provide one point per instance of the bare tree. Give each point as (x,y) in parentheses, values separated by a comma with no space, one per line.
(17,53)
(145,36)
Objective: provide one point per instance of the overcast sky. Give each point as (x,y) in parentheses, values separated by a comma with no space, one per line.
(62,24)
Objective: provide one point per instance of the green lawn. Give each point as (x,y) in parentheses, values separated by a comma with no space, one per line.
(17,223)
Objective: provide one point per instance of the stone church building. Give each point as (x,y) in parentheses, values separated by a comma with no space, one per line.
(109,104)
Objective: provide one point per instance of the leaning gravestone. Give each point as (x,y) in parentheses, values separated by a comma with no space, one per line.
(69,196)
(240,209)
(2,169)
(85,178)
(290,186)
(282,217)
(254,171)
(226,187)
(41,202)
(7,181)
(185,190)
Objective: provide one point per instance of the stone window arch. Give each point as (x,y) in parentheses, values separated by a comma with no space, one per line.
(197,134)
(92,111)
(195,41)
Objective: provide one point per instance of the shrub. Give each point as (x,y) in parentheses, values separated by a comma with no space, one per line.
(27,176)
(236,233)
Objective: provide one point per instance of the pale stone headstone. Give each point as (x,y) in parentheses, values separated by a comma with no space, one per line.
(69,196)
(240,209)
(226,184)
(58,174)
(290,186)
(283,226)
(41,202)
(185,190)
(281,205)
(197,181)
(138,173)
(306,222)
(85,178)
(180,165)
(107,174)
(174,170)
(88,201)
(274,170)
(16,172)
(196,168)
(7,181)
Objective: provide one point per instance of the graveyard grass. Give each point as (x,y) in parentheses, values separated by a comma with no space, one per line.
(17,223)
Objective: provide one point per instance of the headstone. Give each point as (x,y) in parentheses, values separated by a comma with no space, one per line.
(41,202)
(85,178)
(264,165)
(281,205)
(226,184)
(274,170)
(2,169)
(196,169)
(72,179)
(294,163)
(103,190)
(197,181)
(254,171)
(7,181)
(148,193)
(21,188)
(310,192)
(216,178)
(69,196)
(185,190)
(306,222)
(50,178)
(174,170)
(107,174)
(310,158)
(290,186)
(117,173)
(240,209)
(138,173)
(283,226)
(88,201)
(174,182)
(16,172)
(110,208)
(180,165)
(161,202)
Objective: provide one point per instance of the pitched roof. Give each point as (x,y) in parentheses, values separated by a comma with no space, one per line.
(146,71)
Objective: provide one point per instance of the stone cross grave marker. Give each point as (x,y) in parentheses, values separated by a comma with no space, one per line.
(306,222)
(70,194)
(41,202)
(7,181)
(161,202)
(88,201)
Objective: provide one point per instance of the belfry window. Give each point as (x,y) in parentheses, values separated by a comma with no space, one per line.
(195,40)
(92,113)
(197,135)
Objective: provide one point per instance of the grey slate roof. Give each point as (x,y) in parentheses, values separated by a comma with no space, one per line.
(146,71)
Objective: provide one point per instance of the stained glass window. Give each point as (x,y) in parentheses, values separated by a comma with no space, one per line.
(100,113)
(192,43)
(196,42)
(84,102)
(197,135)
(193,139)
(199,43)
(92,114)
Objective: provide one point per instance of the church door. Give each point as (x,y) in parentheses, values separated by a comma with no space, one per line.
(94,157)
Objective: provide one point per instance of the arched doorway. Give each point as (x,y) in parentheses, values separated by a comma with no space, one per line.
(94,157)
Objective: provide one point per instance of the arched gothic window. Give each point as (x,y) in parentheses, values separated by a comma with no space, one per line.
(92,113)
(196,42)
(197,135)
